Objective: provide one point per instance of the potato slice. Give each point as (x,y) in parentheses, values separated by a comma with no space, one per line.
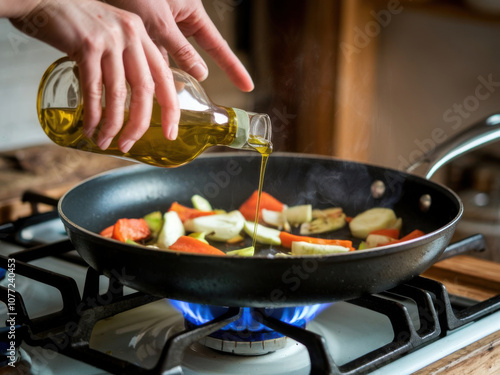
(373,219)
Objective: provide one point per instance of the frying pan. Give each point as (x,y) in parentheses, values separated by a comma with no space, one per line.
(226,180)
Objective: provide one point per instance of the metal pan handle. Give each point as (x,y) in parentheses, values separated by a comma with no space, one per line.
(478,135)
(475,243)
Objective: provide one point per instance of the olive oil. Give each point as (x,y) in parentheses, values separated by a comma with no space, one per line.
(265,148)
(197,132)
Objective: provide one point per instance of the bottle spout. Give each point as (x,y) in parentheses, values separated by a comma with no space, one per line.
(254,132)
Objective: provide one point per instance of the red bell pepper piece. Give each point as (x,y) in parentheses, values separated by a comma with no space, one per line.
(267,201)
(131,229)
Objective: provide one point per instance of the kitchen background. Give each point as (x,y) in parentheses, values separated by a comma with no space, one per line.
(377,81)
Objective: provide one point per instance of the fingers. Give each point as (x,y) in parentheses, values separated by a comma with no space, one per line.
(115,96)
(91,83)
(166,93)
(209,38)
(183,53)
(141,97)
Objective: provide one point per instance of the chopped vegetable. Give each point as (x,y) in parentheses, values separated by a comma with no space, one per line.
(131,229)
(267,201)
(246,252)
(108,232)
(324,221)
(274,218)
(374,240)
(307,248)
(171,231)
(287,239)
(388,232)
(264,234)
(298,214)
(236,239)
(220,227)
(188,244)
(410,236)
(187,213)
(368,221)
(155,222)
(201,203)
(200,236)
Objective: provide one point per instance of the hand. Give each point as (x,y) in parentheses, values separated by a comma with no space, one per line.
(170,22)
(111,47)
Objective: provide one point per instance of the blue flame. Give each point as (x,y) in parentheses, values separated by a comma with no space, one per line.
(198,314)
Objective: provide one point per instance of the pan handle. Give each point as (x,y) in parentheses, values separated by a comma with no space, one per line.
(475,242)
(480,134)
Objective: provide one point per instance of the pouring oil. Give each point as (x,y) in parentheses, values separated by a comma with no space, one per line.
(265,148)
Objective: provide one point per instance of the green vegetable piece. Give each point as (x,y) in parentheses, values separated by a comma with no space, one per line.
(245,252)
(200,203)
(362,246)
(155,221)
(132,242)
(199,236)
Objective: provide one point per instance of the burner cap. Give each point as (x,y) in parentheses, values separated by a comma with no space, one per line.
(249,348)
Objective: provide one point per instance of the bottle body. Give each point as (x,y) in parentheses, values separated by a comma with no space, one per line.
(202,124)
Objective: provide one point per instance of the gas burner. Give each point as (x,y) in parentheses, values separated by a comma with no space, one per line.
(246,336)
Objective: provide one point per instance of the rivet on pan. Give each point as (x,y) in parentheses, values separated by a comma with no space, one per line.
(378,189)
(425,202)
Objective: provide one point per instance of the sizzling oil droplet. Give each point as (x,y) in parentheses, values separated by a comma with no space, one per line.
(265,148)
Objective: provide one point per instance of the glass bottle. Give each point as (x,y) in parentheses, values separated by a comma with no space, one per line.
(202,124)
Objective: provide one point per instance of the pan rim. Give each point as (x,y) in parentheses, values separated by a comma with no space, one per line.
(379,251)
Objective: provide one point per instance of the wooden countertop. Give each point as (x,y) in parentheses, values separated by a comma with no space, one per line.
(477,279)
(47,169)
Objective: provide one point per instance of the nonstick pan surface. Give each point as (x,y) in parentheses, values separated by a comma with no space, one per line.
(227,180)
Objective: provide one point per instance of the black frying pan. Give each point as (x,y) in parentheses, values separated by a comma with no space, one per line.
(227,180)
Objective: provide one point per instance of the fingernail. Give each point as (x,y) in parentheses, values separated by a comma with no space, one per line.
(126,146)
(104,142)
(199,71)
(172,133)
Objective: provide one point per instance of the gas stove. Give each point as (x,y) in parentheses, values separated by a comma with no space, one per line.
(62,317)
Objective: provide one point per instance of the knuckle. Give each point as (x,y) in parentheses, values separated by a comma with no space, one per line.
(131,23)
(185,53)
(118,93)
(146,87)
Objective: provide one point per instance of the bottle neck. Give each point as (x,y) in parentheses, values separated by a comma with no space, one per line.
(253,131)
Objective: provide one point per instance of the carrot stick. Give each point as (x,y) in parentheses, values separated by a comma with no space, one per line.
(410,236)
(131,229)
(188,244)
(267,201)
(186,213)
(288,238)
(388,232)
